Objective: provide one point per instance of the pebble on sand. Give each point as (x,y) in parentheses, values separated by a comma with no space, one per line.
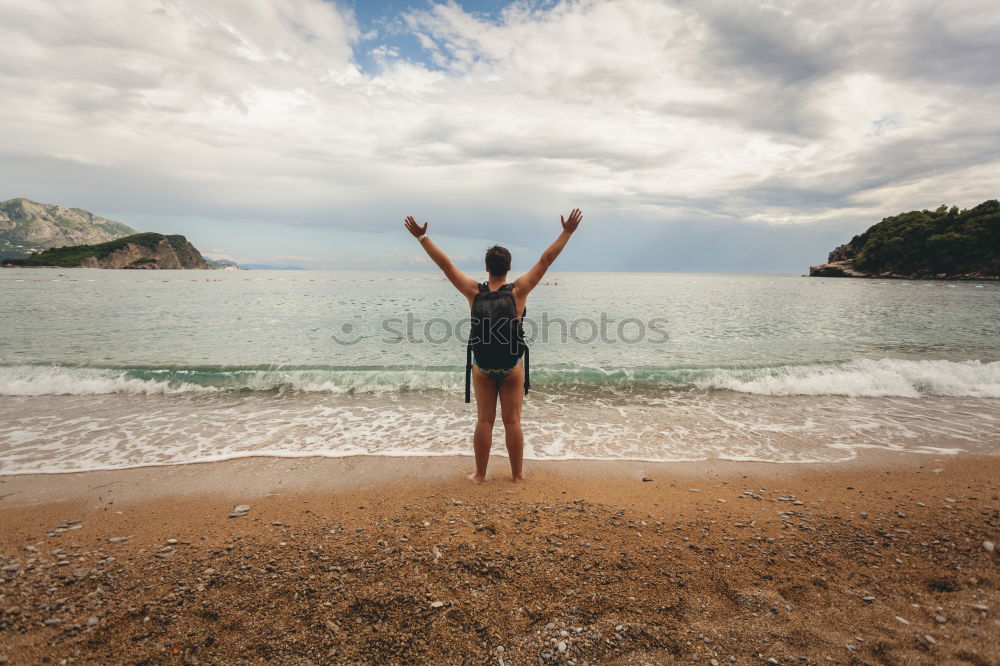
(117,539)
(437,604)
(988,546)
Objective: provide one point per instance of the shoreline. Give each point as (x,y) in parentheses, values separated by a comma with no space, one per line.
(312,473)
(401,560)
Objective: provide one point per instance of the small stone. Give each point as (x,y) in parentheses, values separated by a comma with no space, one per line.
(694,490)
(772,660)
(242,508)
(437,604)
(930,639)
(171,541)
(561,646)
(988,546)
(868,600)
(117,539)
(277,523)
(714,662)
(236,514)
(457,502)
(646,479)
(52,621)
(332,626)
(92,620)
(940,619)
(903,620)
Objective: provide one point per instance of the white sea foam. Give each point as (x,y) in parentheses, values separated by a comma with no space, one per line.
(76,433)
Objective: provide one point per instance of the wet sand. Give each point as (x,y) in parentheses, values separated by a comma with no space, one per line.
(400,560)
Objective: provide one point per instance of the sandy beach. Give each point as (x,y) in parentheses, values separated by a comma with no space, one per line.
(399,560)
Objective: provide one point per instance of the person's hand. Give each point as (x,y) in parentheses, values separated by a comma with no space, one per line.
(414,228)
(573,222)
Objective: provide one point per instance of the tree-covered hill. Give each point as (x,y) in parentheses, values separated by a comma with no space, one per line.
(946,242)
(146,250)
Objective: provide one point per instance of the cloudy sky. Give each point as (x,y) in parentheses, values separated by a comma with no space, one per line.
(695,135)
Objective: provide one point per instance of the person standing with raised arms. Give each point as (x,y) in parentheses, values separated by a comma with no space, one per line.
(497,347)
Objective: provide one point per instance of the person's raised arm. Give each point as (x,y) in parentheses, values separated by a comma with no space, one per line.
(530,280)
(462,282)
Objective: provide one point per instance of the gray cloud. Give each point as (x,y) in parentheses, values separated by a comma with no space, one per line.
(704,126)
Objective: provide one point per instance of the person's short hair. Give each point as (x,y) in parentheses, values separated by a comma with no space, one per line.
(498,261)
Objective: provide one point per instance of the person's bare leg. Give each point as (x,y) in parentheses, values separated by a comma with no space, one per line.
(486,414)
(511,400)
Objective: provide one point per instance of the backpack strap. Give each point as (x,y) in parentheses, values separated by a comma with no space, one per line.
(527,374)
(468,370)
(483,288)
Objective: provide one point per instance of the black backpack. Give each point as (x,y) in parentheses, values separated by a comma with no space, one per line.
(496,337)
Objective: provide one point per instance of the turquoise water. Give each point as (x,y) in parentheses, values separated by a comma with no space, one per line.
(104,369)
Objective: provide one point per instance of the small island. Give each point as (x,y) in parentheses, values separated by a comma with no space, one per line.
(943,244)
(145,251)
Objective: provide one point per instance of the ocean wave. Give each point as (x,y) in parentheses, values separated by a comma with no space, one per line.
(884,377)
(861,377)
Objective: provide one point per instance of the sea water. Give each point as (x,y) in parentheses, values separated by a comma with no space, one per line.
(103,369)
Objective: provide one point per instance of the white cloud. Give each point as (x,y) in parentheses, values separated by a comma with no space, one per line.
(787,112)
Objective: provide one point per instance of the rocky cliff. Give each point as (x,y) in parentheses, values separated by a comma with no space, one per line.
(146,251)
(943,244)
(27,226)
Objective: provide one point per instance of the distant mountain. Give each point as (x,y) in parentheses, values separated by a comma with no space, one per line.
(941,244)
(269,267)
(148,250)
(221,263)
(28,226)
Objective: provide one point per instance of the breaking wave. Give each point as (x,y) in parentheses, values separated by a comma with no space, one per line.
(884,377)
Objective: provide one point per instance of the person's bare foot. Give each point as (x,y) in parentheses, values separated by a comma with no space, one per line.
(517,479)
(475,478)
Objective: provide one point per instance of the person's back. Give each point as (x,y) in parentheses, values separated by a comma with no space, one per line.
(497,368)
